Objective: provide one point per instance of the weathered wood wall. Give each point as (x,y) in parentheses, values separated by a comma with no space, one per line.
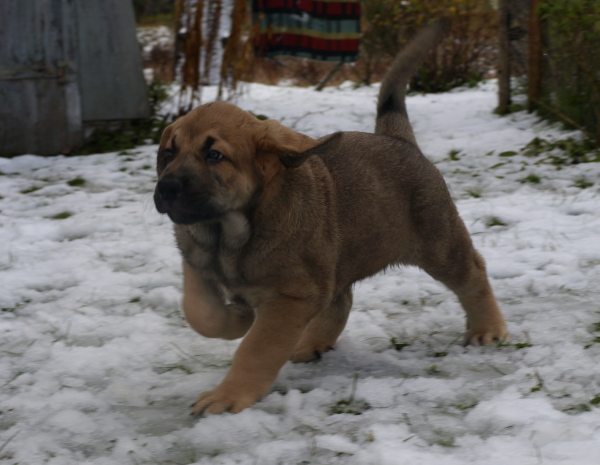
(62,64)
(40,110)
(110,62)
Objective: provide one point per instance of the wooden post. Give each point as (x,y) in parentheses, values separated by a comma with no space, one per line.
(535,58)
(504,59)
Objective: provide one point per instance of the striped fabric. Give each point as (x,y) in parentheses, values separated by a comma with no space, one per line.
(326,30)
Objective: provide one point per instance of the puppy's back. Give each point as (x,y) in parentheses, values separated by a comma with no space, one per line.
(388,196)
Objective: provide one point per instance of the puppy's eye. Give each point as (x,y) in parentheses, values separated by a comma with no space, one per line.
(169,152)
(214,155)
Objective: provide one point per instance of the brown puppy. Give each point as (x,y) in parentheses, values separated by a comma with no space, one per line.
(275,227)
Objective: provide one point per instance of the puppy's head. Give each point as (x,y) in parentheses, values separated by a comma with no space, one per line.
(218,159)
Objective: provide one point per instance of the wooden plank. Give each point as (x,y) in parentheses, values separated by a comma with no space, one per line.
(110,63)
(40,108)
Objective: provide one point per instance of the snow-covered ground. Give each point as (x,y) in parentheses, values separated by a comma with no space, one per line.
(97,365)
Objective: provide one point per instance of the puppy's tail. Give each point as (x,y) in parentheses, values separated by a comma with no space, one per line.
(392,117)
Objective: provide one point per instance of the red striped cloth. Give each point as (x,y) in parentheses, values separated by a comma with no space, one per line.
(326,30)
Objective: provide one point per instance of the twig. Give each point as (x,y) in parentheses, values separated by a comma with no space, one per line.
(568,120)
(8,441)
(332,73)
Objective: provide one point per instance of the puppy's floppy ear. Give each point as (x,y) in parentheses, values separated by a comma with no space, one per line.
(290,146)
(294,160)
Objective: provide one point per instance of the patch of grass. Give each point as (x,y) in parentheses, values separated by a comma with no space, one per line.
(579,408)
(466,407)
(30,190)
(595,401)
(128,153)
(16,307)
(532,178)
(350,406)
(135,300)
(540,383)
(398,345)
(453,154)
(509,153)
(165,369)
(522,345)
(512,108)
(433,370)
(77,182)
(597,327)
(344,406)
(441,353)
(474,193)
(494,221)
(564,151)
(582,183)
(446,442)
(596,340)
(129,135)
(163,19)
(61,216)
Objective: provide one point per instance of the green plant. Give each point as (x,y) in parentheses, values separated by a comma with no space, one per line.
(61,216)
(494,221)
(570,88)
(476,194)
(540,383)
(350,405)
(532,178)
(157,94)
(563,151)
(433,370)
(77,182)
(582,183)
(398,345)
(129,135)
(30,190)
(453,154)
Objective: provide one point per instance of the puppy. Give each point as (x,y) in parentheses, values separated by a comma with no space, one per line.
(275,227)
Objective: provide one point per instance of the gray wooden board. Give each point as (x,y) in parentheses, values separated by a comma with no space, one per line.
(111,78)
(40,109)
(63,63)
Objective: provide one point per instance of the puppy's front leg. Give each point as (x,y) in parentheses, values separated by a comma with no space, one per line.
(206,311)
(260,356)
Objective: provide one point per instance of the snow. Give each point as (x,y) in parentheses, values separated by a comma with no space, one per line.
(98,366)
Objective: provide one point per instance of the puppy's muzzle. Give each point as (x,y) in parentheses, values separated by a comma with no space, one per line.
(183,202)
(170,189)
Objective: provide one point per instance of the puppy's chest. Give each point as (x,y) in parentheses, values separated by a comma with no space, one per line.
(217,251)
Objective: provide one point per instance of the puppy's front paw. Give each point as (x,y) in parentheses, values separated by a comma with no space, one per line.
(224,399)
(485,335)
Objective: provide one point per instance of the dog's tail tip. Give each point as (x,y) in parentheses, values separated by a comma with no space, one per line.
(392,117)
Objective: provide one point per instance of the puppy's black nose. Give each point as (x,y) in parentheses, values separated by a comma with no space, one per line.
(170,189)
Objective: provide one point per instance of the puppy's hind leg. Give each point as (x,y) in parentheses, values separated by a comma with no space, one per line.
(321,333)
(206,311)
(485,323)
(465,274)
